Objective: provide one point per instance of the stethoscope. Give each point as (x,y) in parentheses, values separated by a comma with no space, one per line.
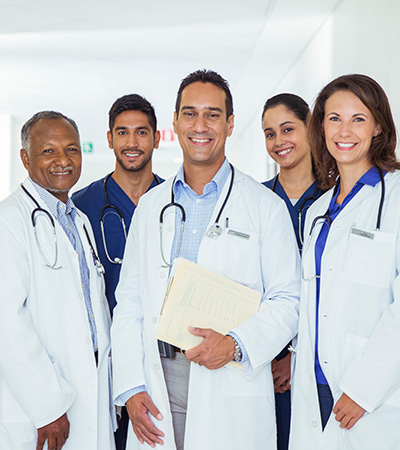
(214,231)
(108,205)
(301,207)
(39,210)
(327,219)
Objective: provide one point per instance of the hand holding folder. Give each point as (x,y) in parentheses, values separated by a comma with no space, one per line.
(198,297)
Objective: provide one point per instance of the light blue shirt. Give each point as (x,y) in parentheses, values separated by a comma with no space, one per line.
(65,214)
(198,210)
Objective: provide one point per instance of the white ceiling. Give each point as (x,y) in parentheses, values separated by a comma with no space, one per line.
(78,56)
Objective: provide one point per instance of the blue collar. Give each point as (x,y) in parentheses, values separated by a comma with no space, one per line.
(370,178)
(217,182)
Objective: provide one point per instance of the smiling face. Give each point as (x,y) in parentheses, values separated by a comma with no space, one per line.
(54,157)
(201,125)
(349,128)
(133,140)
(285,137)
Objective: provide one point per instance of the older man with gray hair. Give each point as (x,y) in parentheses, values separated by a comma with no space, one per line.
(54,319)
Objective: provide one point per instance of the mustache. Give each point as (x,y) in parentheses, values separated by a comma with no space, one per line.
(62,169)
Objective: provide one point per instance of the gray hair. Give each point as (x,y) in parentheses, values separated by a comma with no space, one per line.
(26,128)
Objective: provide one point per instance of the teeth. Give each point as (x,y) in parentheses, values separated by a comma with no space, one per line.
(345,144)
(283,152)
(132,155)
(200,141)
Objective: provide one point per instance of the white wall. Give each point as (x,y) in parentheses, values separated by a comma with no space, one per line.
(360,36)
(5,154)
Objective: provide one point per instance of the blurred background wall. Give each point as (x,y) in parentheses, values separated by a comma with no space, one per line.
(79,57)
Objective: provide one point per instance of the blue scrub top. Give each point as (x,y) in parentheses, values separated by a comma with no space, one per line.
(305,201)
(91,200)
(371,177)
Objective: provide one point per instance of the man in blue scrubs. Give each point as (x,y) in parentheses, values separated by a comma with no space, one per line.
(133,136)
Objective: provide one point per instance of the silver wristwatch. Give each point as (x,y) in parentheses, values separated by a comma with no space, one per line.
(237,354)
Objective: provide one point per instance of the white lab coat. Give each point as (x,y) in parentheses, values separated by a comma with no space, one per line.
(47,364)
(227,408)
(359,324)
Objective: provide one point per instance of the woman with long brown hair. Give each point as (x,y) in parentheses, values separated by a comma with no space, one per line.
(346,386)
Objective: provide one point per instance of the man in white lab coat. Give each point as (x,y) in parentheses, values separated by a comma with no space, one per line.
(193,401)
(54,318)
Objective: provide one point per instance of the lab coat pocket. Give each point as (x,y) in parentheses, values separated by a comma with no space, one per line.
(233,383)
(241,256)
(369,257)
(354,346)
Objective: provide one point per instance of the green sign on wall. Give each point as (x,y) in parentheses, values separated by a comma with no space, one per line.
(87,147)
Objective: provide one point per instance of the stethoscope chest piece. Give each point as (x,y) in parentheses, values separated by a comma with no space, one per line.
(214,231)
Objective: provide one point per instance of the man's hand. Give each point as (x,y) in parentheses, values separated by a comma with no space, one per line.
(347,411)
(138,408)
(214,352)
(56,433)
(281,374)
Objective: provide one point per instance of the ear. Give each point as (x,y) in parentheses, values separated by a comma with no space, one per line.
(231,124)
(174,122)
(157,137)
(378,130)
(110,140)
(24,158)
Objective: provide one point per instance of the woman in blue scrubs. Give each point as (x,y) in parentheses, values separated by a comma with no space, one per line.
(284,122)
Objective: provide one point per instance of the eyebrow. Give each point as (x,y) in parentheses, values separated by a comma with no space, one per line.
(208,108)
(51,144)
(280,126)
(354,115)
(136,128)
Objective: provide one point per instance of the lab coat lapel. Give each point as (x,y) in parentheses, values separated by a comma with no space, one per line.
(234,195)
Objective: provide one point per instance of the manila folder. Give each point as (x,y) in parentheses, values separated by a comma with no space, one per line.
(199,297)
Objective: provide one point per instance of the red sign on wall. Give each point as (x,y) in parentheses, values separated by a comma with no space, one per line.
(167,135)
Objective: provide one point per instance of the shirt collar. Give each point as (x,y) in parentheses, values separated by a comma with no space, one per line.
(55,205)
(217,182)
(371,178)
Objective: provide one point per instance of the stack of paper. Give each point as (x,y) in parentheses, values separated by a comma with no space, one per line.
(199,297)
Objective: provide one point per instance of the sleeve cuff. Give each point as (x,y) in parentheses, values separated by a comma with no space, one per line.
(245,356)
(123,398)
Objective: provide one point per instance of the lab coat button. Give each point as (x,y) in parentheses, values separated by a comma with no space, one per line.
(314,424)
(170,229)
(156,366)
(325,362)
(92,429)
(88,340)
(311,378)
(154,319)
(163,274)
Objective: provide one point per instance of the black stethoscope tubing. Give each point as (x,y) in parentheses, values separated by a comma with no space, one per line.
(301,207)
(108,205)
(40,210)
(183,216)
(327,218)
